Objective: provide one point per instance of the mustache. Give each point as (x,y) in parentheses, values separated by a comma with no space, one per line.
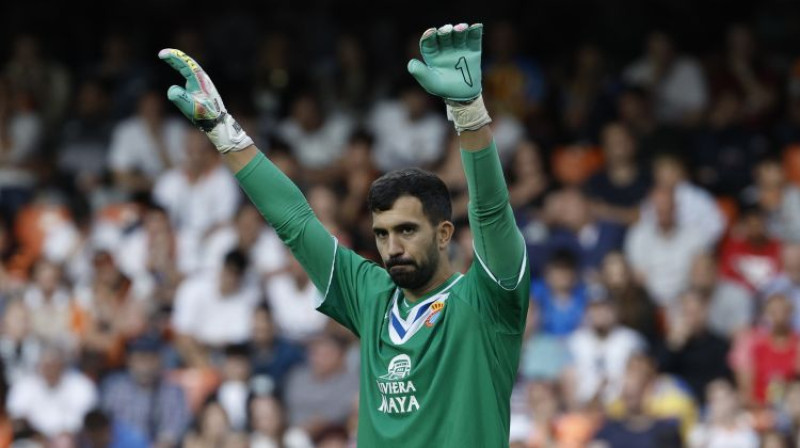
(392,262)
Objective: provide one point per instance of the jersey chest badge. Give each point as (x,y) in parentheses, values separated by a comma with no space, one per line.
(436,312)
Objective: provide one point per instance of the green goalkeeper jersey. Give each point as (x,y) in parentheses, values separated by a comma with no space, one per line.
(437,372)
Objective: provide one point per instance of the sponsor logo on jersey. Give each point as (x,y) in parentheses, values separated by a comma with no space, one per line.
(399,368)
(397,395)
(435,313)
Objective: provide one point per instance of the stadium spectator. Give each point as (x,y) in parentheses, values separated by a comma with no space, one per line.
(21,131)
(514,83)
(788,281)
(726,425)
(318,395)
(635,309)
(561,295)
(317,139)
(270,428)
(676,83)
(19,347)
(29,69)
(748,255)
(618,190)
(144,399)
(599,353)
(293,300)
(270,353)
(50,303)
(527,180)
(586,95)
(573,228)
(84,139)
(778,197)
(100,431)
(732,306)
(407,130)
(544,356)
(233,391)
(694,207)
(154,256)
(200,194)
(661,252)
(767,358)
(205,305)
(694,352)
(145,145)
(249,233)
(657,395)
(211,427)
(55,399)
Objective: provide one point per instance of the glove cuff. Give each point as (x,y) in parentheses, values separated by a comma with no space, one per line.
(469,116)
(228,135)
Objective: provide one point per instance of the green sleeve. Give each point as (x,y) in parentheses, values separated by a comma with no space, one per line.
(340,274)
(499,245)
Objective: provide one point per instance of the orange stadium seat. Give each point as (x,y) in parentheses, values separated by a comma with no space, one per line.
(791,163)
(30,228)
(198,384)
(573,164)
(729,208)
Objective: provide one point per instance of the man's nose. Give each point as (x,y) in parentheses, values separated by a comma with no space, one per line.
(395,247)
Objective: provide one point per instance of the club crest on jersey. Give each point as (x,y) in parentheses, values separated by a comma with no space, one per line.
(436,310)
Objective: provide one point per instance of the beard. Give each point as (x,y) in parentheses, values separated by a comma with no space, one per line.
(413,275)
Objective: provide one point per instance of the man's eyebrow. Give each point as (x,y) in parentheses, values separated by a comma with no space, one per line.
(401,225)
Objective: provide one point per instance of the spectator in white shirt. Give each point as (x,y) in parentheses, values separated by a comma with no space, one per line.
(661,252)
(600,352)
(407,131)
(726,424)
(201,194)
(694,206)
(316,139)
(212,311)
(145,145)
(49,302)
(250,233)
(676,83)
(293,300)
(55,400)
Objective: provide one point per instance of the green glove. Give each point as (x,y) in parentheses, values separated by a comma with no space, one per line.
(452,67)
(201,104)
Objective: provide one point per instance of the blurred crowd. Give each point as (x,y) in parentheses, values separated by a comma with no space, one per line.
(145,302)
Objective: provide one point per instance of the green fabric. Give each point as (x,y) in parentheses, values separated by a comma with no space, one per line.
(497,239)
(452,67)
(447,381)
(286,209)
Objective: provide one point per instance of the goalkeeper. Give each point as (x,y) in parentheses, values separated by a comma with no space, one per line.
(439,350)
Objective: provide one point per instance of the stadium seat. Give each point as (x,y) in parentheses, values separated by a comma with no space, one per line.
(791,163)
(574,164)
(30,228)
(197,383)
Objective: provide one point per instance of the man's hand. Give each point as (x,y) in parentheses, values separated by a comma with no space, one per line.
(452,70)
(201,104)
(452,67)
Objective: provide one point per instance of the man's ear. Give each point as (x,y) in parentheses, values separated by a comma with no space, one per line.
(444,233)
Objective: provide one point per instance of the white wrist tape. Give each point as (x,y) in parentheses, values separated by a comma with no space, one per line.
(468,116)
(228,135)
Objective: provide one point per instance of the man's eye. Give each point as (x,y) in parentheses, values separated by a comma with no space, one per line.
(408,231)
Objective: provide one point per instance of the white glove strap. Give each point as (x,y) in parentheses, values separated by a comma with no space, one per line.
(227,136)
(468,116)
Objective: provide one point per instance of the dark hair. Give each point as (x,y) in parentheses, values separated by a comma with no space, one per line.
(237,260)
(563,258)
(96,420)
(423,185)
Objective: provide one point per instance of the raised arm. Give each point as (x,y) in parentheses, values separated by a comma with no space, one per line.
(273,193)
(452,70)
